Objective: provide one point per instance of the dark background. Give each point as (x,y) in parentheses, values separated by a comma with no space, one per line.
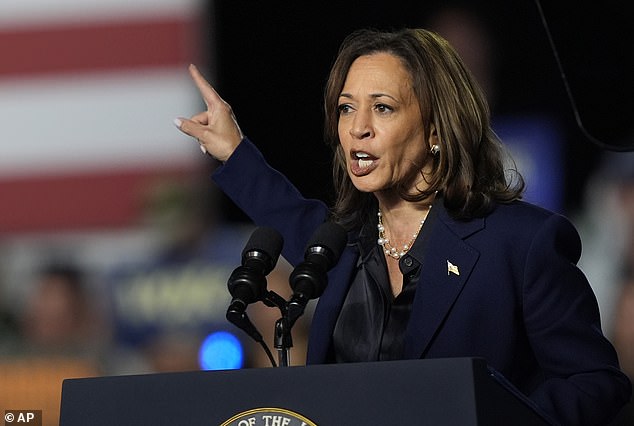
(272,60)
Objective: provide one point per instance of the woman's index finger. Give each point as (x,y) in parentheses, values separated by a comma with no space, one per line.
(206,90)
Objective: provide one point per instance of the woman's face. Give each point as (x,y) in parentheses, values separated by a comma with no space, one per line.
(380,125)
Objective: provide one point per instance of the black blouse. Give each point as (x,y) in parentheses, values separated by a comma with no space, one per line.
(372,322)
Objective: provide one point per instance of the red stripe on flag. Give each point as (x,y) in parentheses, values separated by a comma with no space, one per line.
(79,202)
(99,46)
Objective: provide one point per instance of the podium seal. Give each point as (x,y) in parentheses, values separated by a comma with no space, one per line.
(268,417)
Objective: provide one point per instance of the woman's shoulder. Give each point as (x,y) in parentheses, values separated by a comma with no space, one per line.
(525,219)
(520,210)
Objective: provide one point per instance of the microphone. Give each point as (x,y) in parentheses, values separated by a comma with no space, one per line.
(247,283)
(308,280)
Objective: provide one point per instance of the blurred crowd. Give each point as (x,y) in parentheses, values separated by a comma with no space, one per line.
(147,312)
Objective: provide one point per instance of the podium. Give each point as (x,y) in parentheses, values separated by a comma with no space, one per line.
(451,391)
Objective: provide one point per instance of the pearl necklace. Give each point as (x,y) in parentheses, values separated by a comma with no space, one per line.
(384,242)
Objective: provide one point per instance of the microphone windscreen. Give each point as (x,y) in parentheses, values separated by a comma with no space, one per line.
(332,236)
(265,240)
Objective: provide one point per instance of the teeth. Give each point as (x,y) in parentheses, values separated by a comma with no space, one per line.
(365,163)
(364,159)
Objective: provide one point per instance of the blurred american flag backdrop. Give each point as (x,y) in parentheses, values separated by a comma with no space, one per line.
(88,92)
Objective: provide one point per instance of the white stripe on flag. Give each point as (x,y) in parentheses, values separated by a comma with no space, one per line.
(96,121)
(18,13)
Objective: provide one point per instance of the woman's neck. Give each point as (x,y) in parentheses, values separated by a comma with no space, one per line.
(401,219)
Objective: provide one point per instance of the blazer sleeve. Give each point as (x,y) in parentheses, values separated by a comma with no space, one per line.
(583,383)
(270,199)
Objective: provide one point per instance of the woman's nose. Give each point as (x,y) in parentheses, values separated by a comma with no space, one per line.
(361,126)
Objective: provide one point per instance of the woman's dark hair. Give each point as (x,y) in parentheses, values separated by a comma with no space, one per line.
(469,171)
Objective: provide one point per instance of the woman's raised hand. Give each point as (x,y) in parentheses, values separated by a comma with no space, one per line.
(216,129)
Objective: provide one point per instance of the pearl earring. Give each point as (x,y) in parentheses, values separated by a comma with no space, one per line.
(435,149)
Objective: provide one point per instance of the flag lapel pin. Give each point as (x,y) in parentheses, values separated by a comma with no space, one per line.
(452,269)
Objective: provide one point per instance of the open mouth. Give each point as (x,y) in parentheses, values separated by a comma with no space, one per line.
(362,163)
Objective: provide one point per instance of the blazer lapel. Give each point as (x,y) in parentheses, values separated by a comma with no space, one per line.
(447,262)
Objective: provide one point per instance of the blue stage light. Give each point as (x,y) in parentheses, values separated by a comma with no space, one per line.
(221,351)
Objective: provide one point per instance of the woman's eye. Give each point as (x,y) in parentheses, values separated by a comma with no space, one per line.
(343,108)
(383,108)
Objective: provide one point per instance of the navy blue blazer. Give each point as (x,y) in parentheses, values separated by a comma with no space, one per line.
(504,287)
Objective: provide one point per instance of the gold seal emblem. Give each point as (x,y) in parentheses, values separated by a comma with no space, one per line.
(268,417)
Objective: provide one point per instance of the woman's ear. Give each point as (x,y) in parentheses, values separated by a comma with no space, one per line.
(434,141)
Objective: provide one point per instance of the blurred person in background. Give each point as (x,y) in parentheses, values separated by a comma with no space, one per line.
(606,225)
(461,26)
(60,334)
(60,316)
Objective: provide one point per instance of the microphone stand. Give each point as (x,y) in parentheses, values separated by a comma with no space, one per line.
(283,342)
(282,339)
